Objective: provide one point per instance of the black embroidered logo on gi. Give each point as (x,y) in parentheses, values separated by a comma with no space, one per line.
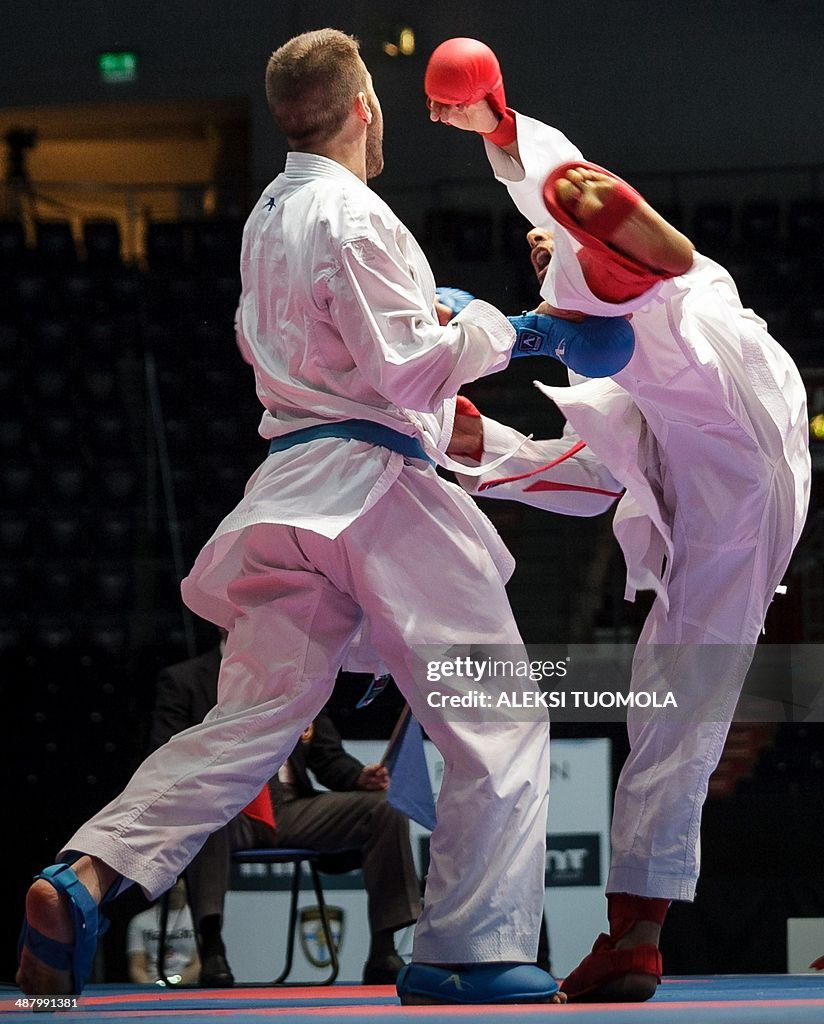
(529,341)
(271,203)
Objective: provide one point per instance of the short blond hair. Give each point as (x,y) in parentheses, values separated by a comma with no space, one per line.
(311,83)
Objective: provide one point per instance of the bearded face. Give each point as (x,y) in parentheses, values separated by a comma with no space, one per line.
(374,139)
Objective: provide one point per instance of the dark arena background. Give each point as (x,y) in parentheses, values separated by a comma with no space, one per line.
(136,136)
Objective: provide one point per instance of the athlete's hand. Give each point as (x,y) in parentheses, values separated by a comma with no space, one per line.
(467,431)
(477,117)
(566,314)
(464,88)
(463,71)
(455,300)
(563,314)
(595,346)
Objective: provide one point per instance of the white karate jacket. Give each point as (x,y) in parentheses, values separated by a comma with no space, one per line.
(708,420)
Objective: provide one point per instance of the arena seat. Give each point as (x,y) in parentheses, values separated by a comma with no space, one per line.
(54,244)
(101,242)
(805,226)
(13,434)
(16,530)
(115,535)
(165,245)
(760,224)
(17,483)
(112,586)
(712,228)
(12,244)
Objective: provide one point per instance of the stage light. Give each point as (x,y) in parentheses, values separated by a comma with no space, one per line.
(401,42)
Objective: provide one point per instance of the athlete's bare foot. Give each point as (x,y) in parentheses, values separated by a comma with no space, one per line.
(627,988)
(634,987)
(642,234)
(48,912)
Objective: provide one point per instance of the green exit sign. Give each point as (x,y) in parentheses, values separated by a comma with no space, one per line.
(117,66)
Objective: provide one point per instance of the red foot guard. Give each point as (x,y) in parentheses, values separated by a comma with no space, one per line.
(611,975)
(611,275)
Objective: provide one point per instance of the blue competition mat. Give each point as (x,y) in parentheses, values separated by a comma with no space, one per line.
(718,999)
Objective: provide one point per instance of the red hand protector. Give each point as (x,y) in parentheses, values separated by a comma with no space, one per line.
(465,71)
(464,407)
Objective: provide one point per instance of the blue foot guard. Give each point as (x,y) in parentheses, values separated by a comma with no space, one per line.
(76,956)
(420,984)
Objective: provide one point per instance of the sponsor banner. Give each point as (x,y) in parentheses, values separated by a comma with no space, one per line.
(278,878)
(573,859)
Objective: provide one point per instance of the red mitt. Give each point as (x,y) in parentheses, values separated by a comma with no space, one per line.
(464,71)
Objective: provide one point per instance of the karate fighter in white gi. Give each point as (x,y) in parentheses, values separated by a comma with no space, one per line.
(345,525)
(705,434)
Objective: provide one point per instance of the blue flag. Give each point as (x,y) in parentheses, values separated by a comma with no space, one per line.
(375,689)
(410,789)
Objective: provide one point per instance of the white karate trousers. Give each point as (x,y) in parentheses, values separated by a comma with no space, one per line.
(418,567)
(700,651)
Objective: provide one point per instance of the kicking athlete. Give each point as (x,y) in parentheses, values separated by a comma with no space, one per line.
(705,433)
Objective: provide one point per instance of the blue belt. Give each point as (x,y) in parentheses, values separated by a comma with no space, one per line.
(359,430)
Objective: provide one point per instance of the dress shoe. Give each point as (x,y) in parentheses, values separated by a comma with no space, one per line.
(383,970)
(215,972)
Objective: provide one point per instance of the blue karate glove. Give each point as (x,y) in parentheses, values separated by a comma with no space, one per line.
(454,299)
(597,346)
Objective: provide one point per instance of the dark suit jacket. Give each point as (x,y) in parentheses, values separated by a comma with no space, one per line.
(186,692)
(325,757)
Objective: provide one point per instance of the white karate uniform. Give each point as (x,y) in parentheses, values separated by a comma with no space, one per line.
(337,318)
(706,430)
